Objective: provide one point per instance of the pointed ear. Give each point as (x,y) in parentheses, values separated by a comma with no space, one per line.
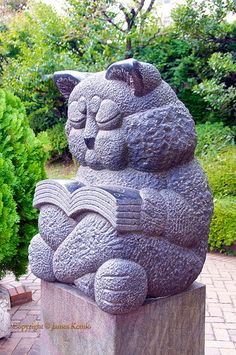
(66,80)
(142,77)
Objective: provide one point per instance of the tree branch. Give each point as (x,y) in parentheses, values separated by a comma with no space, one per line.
(149,7)
(156,35)
(110,20)
(142,2)
(124,10)
(222,40)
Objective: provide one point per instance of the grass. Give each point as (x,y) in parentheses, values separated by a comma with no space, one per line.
(61,170)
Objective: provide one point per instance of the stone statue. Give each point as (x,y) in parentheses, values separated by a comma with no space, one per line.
(5,318)
(134,222)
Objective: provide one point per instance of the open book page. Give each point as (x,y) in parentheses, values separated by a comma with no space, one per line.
(121,206)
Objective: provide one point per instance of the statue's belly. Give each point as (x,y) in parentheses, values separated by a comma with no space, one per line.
(125,178)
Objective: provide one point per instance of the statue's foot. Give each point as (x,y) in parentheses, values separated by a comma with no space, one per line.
(86,284)
(41,258)
(120,286)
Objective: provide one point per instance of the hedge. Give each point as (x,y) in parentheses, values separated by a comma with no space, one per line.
(217,155)
(22,163)
(223,225)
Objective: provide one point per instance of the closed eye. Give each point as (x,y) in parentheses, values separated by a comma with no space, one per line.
(109,115)
(80,117)
(101,121)
(76,117)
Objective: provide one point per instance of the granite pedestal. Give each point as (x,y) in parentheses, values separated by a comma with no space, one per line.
(73,324)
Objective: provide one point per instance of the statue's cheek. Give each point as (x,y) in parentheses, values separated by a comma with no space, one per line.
(76,145)
(111,150)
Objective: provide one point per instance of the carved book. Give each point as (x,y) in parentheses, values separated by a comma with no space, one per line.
(120,206)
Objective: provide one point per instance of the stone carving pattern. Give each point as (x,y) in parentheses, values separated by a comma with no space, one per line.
(5,319)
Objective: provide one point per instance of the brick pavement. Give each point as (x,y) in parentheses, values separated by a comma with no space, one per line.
(219,275)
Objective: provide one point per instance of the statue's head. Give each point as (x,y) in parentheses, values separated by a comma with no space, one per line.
(125,117)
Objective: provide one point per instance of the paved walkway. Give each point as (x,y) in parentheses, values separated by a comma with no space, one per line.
(219,274)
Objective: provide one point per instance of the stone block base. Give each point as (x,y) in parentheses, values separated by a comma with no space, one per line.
(73,324)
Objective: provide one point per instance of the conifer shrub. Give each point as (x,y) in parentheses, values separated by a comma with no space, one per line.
(22,163)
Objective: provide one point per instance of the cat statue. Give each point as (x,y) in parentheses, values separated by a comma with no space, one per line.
(134,222)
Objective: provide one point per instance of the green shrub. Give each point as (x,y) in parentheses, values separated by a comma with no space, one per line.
(221,172)
(43,118)
(197,107)
(45,142)
(8,214)
(212,137)
(33,47)
(223,225)
(57,138)
(217,156)
(54,142)
(21,166)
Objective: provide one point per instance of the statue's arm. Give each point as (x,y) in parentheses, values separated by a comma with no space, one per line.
(52,199)
(182,212)
(54,225)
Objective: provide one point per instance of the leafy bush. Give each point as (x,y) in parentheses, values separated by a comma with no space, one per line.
(218,159)
(219,92)
(223,225)
(57,138)
(212,138)
(22,165)
(8,215)
(195,54)
(221,173)
(54,141)
(196,106)
(211,37)
(32,46)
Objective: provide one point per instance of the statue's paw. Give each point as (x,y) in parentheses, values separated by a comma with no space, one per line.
(120,286)
(70,258)
(86,284)
(40,258)
(85,249)
(54,225)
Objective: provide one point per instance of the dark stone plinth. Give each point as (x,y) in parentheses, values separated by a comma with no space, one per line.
(165,326)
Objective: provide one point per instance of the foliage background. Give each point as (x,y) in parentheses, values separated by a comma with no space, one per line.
(195,55)
(21,166)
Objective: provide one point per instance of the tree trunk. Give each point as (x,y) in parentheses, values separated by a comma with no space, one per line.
(128,49)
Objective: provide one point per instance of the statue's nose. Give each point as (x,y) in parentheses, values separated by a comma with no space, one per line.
(89,142)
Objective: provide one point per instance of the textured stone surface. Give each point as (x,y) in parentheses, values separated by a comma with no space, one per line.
(53,221)
(139,197)
(5,319)
(165,326)
(41,258)
(120,286)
